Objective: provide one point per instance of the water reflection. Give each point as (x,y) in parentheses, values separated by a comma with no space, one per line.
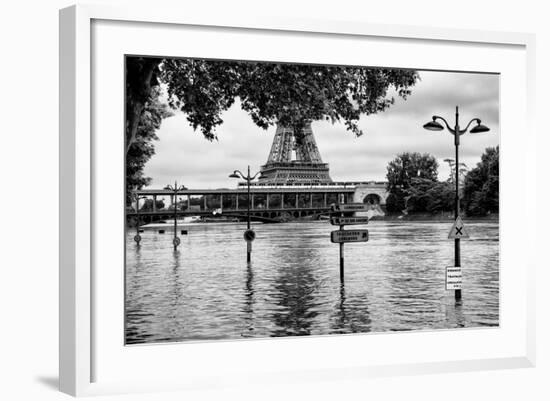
(205,290)
(174,295)
(294,286)
(454,313)
(137,317)
(248,307)
(351,315)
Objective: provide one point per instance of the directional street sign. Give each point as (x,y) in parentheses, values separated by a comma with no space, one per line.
(453,279)
(341,221)
(249,235)
(341,236)
(458,230)
(350,207)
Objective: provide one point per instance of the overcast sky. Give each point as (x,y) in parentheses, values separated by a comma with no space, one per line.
(185,156)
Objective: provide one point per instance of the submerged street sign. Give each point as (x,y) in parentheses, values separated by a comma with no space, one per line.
(453,278)
(341,221)
(458,230)
(341,236)
(249,235)
(350,207)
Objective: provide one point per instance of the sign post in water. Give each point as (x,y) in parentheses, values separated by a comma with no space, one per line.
(249,236)
(340,221)
(342,236)
(137,197)
(453,278)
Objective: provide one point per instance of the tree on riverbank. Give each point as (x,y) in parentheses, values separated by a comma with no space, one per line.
(481,185)
(413,186)
(462,171)
(428,196)
(408,176)
(143,148)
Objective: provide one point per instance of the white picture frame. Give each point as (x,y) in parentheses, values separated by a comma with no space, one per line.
(84,349)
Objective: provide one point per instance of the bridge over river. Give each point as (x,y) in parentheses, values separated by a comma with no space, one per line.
(268,203)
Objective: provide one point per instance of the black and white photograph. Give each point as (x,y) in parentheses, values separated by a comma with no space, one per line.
(295,200)
(279,199)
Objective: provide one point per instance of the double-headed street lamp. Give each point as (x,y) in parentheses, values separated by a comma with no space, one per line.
(457,132)
(176,241)
(249,234)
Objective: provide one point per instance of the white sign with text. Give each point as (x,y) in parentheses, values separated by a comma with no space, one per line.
(453,278)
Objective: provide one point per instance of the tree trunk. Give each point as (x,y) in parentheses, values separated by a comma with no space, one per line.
(140,78)
(133,112)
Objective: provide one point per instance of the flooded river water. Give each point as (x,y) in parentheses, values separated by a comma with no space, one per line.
(205,290)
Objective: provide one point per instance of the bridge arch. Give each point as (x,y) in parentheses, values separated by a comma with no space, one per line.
(372,199)
(371,192)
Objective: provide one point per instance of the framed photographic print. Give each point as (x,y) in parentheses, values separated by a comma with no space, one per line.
(276,199)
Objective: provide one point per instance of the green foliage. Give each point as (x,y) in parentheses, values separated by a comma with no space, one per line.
(481,185)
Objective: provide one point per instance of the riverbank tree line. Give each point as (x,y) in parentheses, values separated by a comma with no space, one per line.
(413,185)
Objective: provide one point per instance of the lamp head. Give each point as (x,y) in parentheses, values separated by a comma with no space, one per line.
(479,128)
(433,126)
(234,175)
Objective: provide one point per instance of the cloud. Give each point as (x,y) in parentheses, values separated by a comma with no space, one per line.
(185,155)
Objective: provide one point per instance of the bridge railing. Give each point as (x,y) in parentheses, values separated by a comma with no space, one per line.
(220,211)
(192,201)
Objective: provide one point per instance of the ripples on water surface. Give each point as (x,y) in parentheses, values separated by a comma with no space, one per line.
(396,281)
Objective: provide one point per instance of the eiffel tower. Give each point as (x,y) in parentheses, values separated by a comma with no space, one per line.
(292,162)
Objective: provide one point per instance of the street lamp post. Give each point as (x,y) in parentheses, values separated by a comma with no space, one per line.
(248,179)
(137,237)
(176,241)
(456,132)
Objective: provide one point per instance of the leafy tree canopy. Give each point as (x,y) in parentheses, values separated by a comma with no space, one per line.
(408,166)
(481,185)
(143,146)
(290,94)
(462,170)
(408,175)
(141,82)
(425,195)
